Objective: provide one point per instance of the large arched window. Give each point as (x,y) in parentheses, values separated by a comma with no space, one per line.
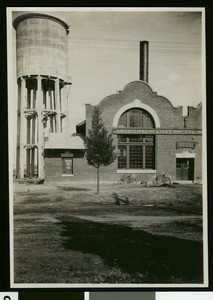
(136,117)
(136,151)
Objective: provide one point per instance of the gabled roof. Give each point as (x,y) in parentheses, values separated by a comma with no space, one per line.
(64,141)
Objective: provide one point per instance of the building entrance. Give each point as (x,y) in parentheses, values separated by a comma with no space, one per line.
(185,169)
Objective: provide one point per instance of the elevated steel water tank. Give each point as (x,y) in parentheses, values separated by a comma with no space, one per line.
(42,45)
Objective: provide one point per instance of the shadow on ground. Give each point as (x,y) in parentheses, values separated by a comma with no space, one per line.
(159,259)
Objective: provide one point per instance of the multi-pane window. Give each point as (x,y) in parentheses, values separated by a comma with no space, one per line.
(122,157)
(150,157)
(136,151)
(135,117)
(135,157)
(67,163)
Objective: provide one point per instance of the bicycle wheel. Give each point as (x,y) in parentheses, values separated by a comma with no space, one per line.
(133,180)
(144,183)
(157,181)
(128,179)
(167,180)
(154,181)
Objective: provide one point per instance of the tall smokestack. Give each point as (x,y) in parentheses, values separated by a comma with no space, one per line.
(144,61)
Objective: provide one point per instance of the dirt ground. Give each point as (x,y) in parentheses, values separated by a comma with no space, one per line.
(69,234)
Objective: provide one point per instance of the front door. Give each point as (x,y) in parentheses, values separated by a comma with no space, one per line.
(185,169)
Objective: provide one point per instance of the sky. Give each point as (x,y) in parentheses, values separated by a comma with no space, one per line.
(103,54)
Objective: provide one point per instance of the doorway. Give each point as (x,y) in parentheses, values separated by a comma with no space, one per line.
(185,169)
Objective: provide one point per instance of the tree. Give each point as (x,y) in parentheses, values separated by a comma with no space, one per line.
(100,147)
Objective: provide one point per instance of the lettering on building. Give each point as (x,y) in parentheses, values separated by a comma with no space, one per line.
(185,145)
(157,131)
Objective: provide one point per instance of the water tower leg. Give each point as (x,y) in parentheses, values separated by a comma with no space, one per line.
(28,164)
(40,129)
(32,161)
(22,124)
(57,100)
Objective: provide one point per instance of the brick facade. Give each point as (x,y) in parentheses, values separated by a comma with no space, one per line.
(138,94)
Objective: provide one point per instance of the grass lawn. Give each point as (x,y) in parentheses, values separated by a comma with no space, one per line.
(69,234)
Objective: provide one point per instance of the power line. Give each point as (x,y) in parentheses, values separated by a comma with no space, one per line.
(124,52)
(89,45)
(128,62)
(132,41)
(121,28)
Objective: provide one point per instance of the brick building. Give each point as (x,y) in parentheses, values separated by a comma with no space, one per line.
(150,134)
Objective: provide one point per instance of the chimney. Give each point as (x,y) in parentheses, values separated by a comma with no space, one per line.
(144,61)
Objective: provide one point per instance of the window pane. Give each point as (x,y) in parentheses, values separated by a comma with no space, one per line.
(122,138)
(135,118)
(136,157)
(147,121)
(135,138)
(123,120)
(186,165)
(67,165)
(149,139)
(149,157)
(122,157)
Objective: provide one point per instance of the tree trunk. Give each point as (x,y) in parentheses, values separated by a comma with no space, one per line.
(98,180)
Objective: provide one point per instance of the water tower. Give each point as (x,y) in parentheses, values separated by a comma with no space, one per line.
(42,77)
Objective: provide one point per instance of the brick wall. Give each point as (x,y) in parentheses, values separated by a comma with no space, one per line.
(169,116)
(81,170)
(166,154)
(194,119)
(165,160)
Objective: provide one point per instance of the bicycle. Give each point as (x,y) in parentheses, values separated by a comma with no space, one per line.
(127,179)
(161,179)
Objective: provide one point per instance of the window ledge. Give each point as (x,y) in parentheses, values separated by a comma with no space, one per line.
(136,171)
